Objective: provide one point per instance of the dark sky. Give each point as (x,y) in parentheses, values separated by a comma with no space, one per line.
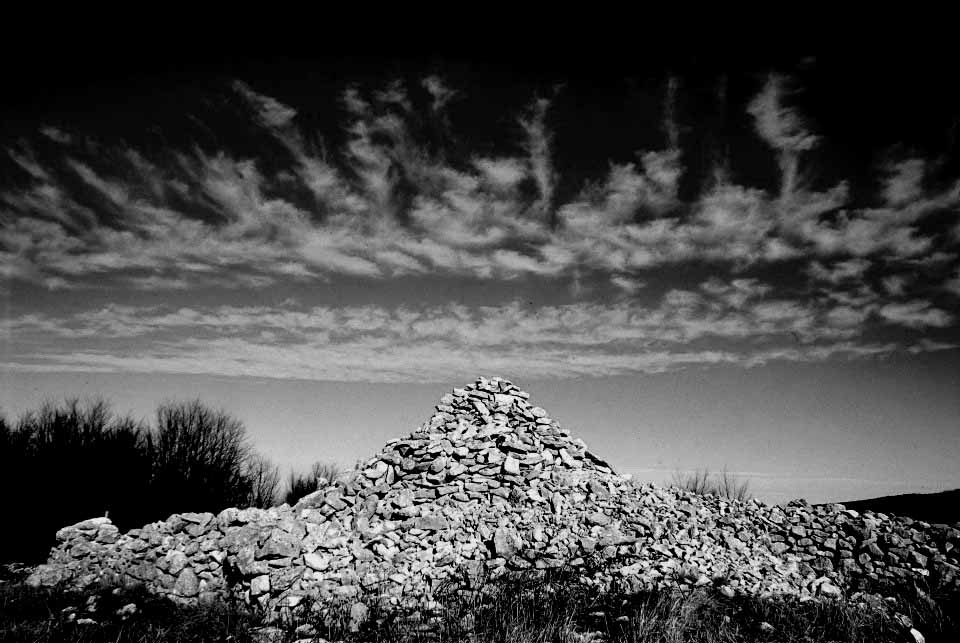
(863,100)
(649,234)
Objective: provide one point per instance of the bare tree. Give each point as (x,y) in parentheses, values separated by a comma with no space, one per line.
(264,481)
(69,425)
(199,457)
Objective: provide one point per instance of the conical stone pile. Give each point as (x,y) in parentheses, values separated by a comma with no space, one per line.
(488,485)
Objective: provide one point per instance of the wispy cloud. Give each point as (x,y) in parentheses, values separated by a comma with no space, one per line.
(385,205)
(783,129)
(377,361)
(840,272)
(538,145)
(916,314)
(272,113)
(56,135)
(439,92)
(904,183)
(740,322)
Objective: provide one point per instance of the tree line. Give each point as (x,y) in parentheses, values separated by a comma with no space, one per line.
(76,459)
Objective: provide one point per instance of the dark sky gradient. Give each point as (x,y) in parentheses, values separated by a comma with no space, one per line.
(690,259)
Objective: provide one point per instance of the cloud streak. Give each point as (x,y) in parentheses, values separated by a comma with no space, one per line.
(737,322)
(783,129)
(387,205)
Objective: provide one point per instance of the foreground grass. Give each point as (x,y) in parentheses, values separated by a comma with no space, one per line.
(520,610)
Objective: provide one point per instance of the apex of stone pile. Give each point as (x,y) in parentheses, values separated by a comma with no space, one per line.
(483,436)
(498,406)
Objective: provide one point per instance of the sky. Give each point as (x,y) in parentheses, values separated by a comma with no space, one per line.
(751,265)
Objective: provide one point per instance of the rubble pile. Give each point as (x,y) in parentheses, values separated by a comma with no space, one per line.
(491,484)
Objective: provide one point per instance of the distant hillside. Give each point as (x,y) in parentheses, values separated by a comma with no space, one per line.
(943,507)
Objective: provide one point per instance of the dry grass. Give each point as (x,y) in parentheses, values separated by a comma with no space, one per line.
(723,484)
(529,608)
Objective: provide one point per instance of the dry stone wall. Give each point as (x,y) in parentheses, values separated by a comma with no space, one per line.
(491,484)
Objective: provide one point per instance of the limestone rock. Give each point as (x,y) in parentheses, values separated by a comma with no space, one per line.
(511,466)
(598,518)
(259,585)
(506,542)
(187,585)
(316,561)
(378,470)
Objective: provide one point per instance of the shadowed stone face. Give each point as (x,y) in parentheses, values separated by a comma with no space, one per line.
(187,584)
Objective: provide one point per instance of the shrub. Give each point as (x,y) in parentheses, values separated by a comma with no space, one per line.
(67,462)
(299,485)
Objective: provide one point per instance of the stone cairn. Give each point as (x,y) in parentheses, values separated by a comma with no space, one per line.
(490,484)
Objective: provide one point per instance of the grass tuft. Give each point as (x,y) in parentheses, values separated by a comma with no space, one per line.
(723,484)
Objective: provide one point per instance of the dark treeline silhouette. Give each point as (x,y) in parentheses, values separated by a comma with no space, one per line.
(73,460)
(942,507)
